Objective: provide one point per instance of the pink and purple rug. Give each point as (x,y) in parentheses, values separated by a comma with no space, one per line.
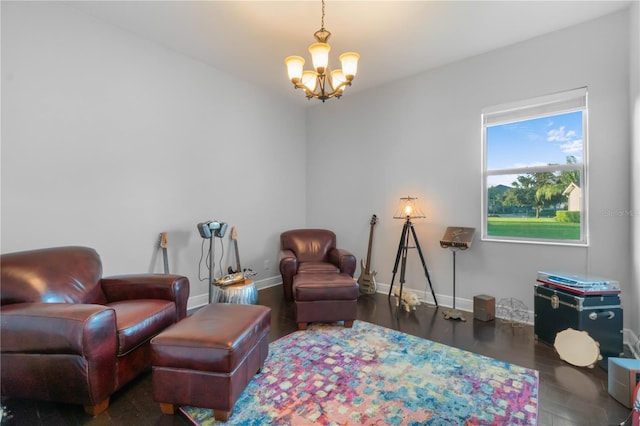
(368,374)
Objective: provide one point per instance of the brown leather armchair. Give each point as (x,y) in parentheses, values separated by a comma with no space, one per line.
(69,335)
(311,251)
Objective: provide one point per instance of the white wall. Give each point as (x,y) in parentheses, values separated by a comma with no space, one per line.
(421,137)
(108,140)
(634,72)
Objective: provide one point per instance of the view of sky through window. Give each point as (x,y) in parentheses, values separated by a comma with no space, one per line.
(535,142)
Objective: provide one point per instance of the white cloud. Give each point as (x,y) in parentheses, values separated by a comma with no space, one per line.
(568,143)
(560,135)
(572,147)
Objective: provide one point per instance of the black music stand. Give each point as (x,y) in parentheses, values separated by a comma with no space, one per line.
(403,247)
(456,238)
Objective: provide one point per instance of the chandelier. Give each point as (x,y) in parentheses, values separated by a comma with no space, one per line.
(321,83)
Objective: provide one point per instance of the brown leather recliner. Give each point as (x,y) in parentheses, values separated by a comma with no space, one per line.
(311,251)
(69,335)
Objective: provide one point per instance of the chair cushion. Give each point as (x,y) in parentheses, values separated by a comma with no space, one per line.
(317,267)
(315,287)
(139,320)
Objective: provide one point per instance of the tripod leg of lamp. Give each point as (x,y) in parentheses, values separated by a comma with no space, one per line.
(401,248)
(454,314)
(424,264)
(403,266)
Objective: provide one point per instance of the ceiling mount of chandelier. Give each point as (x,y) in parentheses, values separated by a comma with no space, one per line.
(321,83)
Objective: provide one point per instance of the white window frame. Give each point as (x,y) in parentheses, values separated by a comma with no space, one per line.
(548,105)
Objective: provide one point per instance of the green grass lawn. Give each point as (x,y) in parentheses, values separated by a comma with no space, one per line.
(546,228)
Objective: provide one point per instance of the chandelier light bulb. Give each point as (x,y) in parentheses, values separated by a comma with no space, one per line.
(337,78)
(349,62)
(295,65)
(310,80)
(320,56)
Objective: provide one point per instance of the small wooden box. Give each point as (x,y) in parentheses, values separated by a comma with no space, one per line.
(484,307)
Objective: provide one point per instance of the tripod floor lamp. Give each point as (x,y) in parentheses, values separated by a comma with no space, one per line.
(409,210)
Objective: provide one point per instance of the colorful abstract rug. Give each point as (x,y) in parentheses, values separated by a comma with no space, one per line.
(331,375)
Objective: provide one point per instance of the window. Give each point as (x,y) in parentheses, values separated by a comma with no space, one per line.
(534,170)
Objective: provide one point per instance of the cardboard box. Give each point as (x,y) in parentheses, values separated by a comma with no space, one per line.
(624,376)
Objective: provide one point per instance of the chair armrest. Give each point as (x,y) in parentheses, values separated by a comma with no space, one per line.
(288,263)
(59,328)
(149,286)
(344,260)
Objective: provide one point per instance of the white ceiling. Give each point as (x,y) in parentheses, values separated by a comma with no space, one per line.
(395,39)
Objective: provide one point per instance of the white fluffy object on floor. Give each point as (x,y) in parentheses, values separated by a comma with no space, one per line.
(409,300)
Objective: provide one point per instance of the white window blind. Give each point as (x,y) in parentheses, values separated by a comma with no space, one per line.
(571,100)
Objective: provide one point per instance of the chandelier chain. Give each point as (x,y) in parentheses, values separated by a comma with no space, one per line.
(322,21)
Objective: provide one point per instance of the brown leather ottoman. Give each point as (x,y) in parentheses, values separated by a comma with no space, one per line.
(207,359)
(325,297)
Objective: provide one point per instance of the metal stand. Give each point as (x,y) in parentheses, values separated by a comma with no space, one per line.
(454,313)
(211,266)
(403,247)
(456,238)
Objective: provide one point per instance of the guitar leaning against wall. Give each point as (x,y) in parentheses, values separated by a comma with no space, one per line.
(165,257)
(234,238)
(367,281)
(238,274)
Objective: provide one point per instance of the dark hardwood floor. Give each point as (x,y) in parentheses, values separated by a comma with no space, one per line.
(568,395)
